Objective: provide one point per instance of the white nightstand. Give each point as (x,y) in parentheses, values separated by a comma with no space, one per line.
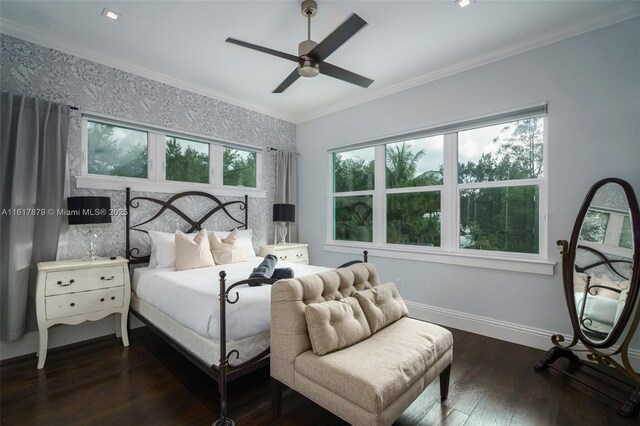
(295,253)
(74,291)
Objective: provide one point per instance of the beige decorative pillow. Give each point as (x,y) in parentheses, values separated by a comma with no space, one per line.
(229,250)
(382,305)
(617,285)
(335,325)
(193,253)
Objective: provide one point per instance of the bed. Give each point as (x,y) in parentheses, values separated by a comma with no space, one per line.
(601,286)
(211,315)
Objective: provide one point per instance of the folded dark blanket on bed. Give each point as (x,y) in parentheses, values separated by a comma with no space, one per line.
(282,273)
(267,269)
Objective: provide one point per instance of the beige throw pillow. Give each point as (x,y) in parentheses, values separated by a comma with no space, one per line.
(229,250)
(617,285)
(382,305)
(193,253)
(335,325)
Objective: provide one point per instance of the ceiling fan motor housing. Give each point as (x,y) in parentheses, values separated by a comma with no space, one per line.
(307,66)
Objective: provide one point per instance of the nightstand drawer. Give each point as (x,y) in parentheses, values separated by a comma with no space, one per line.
(296,255)
(66,305)
(75,280)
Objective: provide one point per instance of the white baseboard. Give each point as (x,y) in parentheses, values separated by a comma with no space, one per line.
(61,335)
(510,332)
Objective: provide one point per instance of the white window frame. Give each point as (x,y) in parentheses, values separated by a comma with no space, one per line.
(449,251)
(156,175)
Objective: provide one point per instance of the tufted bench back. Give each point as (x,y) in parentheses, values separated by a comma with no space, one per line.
(289,298)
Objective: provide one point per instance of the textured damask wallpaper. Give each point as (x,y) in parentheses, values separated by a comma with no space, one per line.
(37,71)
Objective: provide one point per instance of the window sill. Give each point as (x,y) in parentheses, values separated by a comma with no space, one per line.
(143,185)
(530,266)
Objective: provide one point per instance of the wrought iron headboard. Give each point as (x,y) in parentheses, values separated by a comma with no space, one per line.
(133,254)
(604,260)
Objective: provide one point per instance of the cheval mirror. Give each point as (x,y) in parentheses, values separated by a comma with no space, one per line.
(601,274)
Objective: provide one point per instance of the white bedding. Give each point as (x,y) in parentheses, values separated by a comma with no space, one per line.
(191,297)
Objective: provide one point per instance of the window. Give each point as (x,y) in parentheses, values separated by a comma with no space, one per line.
(151,159)
(472,189)
(414,177)
(239,167)
(116,151)
(353,182)
(186,161)
(499,172)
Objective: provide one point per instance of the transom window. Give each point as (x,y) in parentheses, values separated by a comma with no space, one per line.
(477,189)
(153,155)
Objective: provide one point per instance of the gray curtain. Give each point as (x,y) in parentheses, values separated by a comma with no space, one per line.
(33,157)
(287,185)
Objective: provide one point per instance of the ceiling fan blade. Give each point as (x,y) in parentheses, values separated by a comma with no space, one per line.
(342,74)
(263,49)
(334,40)
(287,81)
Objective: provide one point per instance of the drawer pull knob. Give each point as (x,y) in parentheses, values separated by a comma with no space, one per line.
(107,279)
(299,255)
(60,283)
(113,298)
(283,257)
(102,299)
(73,304)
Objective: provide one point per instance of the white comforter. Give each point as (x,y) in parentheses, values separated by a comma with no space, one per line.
(191,297)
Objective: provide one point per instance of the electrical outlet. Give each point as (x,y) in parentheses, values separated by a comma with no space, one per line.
(398,283)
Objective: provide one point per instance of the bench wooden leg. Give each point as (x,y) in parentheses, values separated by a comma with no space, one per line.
(276,397)
(444,383)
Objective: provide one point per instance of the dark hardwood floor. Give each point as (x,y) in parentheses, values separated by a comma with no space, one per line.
(101,383)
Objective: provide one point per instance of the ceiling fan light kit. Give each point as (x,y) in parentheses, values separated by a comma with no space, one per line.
(311,55)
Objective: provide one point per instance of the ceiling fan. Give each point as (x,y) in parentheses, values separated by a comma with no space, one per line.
(311,55)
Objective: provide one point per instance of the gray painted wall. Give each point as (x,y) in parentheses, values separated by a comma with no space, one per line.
(592,84)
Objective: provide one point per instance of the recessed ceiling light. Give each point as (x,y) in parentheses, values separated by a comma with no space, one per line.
(464,3)
(110,14)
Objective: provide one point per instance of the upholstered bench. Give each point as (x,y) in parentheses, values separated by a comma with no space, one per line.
(343,340)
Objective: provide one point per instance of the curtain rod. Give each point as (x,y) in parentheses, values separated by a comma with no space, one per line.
(269,149)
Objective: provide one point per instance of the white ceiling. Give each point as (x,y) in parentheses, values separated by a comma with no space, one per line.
(406,42)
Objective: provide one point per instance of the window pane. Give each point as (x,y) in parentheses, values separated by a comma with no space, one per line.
(353,170)
(502,152)
(187,161)
(626,236)
(501,219)
(116,151)
(415,163)
(353,218)
(239,167)
(594,227)
(414,218)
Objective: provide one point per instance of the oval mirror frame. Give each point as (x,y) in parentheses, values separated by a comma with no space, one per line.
(634,283)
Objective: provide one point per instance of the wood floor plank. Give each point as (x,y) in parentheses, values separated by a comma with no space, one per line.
(101,383)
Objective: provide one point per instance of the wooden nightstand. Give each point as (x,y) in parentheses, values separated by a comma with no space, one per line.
(295,253)
(74,291)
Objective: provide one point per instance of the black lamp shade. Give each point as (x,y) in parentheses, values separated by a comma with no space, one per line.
(88,210)
(284,213)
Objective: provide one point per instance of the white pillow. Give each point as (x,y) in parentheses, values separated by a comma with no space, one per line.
(163,249)
(244,240)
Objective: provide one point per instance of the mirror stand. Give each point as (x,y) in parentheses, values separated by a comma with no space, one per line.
(594,355)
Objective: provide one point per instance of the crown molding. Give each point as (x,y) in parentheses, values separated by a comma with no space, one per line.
(39,37)
(616,14)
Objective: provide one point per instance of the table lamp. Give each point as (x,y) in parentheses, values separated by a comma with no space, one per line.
(284,213)
(89,211)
